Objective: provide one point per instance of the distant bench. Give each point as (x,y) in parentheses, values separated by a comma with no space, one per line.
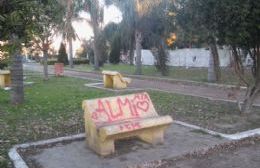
(113,79)
(113,118)
(5,79)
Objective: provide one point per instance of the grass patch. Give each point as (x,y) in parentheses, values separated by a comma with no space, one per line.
(52,109)
(215,115)
(228,76)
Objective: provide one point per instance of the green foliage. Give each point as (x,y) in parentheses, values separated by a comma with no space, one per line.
(191,30)
(102,47)
(4,63)
(114,56)
(62,56)
(49,16)
(110,31)
(3,162)
(162,59)
(240,23)
(77,61)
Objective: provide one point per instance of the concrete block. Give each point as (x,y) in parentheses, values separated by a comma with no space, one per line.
(5,79)
(113,79)
(59,69)
(113,118)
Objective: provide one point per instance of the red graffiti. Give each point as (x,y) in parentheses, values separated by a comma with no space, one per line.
(125,109)
(129,126)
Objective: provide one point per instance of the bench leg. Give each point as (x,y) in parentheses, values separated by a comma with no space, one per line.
(103,148)
(108,81)
(117,83)
(153,136)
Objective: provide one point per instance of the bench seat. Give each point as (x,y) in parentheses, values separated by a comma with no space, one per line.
(110,131)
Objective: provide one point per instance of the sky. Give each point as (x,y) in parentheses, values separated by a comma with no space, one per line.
(84,30)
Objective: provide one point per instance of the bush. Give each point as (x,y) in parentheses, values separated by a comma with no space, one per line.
(4,63)
(114,56)
(76,61)
(79,61)
(3,162)
(161,58)
(62,56)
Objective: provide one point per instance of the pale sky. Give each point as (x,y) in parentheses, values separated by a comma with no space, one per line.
(84,30)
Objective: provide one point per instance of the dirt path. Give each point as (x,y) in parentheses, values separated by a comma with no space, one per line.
(213,93)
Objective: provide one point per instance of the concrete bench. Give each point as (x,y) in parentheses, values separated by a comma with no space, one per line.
(113,118)
(113,79)
(5,79)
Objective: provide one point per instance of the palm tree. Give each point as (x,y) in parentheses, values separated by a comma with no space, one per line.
(96,19)
(67,30)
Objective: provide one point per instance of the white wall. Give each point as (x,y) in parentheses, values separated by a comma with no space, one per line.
(195,57)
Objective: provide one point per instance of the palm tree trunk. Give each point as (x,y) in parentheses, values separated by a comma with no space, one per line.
(45,64)
(138,40)
(71,53)
(95,23)
(96,50)
(17,91)
(131,53)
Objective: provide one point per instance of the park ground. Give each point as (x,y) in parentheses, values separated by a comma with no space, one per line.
(53,109)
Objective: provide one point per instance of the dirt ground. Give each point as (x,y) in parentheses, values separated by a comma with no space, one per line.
(237,154)
(179,140)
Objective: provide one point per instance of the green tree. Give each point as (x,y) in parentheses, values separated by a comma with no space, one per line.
(96,18)
(239,27)
(114,56)
(157,26)
(16,18)
(49,16)
(66,27)
(199,17)
(62,55)
(112,34)
(132,12)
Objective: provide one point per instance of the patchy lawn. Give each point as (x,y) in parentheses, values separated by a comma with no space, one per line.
(193,74)
(215,115)
(53,109)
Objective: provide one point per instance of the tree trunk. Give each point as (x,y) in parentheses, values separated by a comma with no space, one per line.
(71,53)
(138,41)
(211,69)
(254,91)
(214,67)
(45,64)
(96,51)
(251,95)
(17,91)
(131,53)
(94,13)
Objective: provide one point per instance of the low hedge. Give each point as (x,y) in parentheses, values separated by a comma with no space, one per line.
(80,61)
(75,61)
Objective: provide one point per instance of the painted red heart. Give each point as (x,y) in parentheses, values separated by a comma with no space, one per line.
(143,105)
